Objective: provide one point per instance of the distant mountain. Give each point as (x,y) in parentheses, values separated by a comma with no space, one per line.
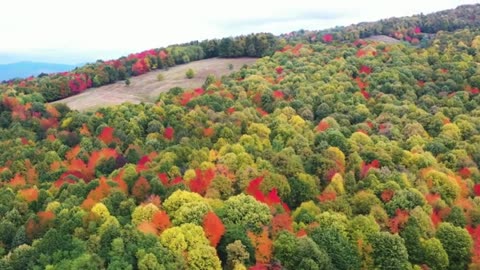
(26,69)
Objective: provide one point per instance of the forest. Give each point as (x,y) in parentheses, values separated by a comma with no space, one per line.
(332,151)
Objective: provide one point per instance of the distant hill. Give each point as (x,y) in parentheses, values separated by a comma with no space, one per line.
(26,69)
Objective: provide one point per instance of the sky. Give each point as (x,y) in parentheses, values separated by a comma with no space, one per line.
(72,31)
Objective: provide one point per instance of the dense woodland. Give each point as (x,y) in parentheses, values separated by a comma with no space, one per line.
(325,154)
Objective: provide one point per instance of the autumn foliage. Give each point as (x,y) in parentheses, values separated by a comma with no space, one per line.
(213,227)
(263,246)
(202,181)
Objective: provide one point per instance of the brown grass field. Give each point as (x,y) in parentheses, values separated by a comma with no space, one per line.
(383,38)
(146,87)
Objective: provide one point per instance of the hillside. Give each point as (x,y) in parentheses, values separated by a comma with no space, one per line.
(146,87)
(325,153)
(417,30)
(26,69)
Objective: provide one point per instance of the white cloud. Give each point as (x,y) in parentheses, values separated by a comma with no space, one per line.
(109,28)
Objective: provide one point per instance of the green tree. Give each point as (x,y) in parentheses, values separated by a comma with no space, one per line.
(190,73)
(338,247)
(435,255)
(389,251)
(246,211)
(457,243)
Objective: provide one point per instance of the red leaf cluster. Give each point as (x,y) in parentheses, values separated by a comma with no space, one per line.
(262,112)
(17,181)
(400,219)
(35,227)
(432,198)
(208,132)
(189,95)
(327,196)
(365,69)
(263,246)
(168,133)
(278,94)
(465,172)
(375,164)
(162,54)
(140,67)
(279,70)
(142,163)
(387,195)
(361,84)
(79,83)
(476,189)
(161,221)
(168,182)
(359,42)
(29,194)
(230,110)
(327,38)
(322,126)
(282,222)
(97,194)
(270,199)
(202,181)
(475,234)
(213,227)
(106,135)
(141,189)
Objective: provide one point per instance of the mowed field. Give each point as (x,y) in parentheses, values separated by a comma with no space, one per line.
(146,87)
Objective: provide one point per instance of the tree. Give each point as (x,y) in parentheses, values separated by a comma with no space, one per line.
(190,239)
(213,228)
(457,243)
(190,73)
(389,251)
(435,255)
(246,211)
(338,247)
(300,253)
(263,246)
(236,254)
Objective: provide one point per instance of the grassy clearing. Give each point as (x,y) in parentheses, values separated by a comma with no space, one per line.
(146,87)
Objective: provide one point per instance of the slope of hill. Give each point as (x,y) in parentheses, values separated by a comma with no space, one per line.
(415,29)
(26,69)
(146,87)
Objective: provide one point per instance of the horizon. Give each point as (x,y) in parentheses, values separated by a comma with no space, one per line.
(66,38)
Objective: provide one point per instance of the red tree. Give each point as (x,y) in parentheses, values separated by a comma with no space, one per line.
(213,227)
(365,69)
(141,189)
(202,181)
(106,135)
(161,221)
(282,222)
(169,133)
(476,190)
(327,38)
(263,246)
(322,126)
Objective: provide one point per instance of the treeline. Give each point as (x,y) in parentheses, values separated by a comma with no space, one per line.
(57,86)
(406,28)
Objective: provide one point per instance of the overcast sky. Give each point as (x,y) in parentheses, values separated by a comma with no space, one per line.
(72,31)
